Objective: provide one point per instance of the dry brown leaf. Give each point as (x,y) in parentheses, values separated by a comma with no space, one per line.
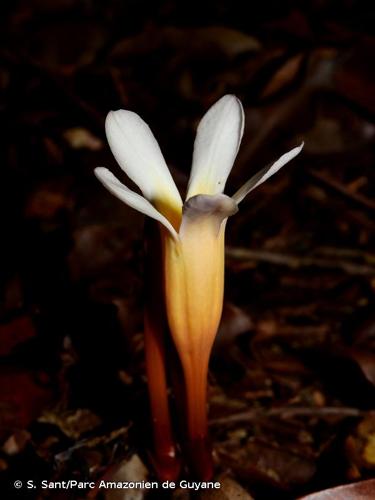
(81,138)
(365,490)
(264,463)
(234,322)
(227,41)
(229,490)
(365,360)
(360,445)
(16,442)
(52,48)
(129,470)
(72,423)
(283,76)
(15,332)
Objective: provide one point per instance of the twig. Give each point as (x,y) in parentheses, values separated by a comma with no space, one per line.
(92,442)
(296,262)
(354,253)
(342,189)
(285,413)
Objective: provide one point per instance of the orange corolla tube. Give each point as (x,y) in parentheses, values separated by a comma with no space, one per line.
(192,236)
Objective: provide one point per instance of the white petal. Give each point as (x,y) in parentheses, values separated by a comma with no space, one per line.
(216,146)
(265,173)
(131,198)
(138,154)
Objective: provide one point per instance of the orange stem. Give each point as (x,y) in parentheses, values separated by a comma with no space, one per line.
(199,449)
(166,462)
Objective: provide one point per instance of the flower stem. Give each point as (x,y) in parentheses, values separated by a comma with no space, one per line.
(198,446)
(165,460)
(166,463)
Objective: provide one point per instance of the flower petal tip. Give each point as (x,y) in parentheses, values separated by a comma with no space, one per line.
(216,146)
(266,173)
(99,171)
(138,154)
(132,199)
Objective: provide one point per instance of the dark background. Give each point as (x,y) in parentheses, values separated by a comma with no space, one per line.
(293,371)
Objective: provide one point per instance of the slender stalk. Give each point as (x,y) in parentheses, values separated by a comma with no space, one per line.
(198,446)
(165,458)
(196,397)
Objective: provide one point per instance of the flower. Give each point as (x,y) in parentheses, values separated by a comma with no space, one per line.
(192,232)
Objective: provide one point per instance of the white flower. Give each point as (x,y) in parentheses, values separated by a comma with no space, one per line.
(216,145)
(192,232)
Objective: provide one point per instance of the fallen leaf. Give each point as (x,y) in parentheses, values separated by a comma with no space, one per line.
(133,470)
(227,41)
(47,201)
(364,359)
(261,462)
(284,76)
(72,423)
(16,442)
(50,47)
(364,490)
(234,322)
(22,398)
(353,78)
(229,490)
(15,332)
(360,445)
(81,138)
